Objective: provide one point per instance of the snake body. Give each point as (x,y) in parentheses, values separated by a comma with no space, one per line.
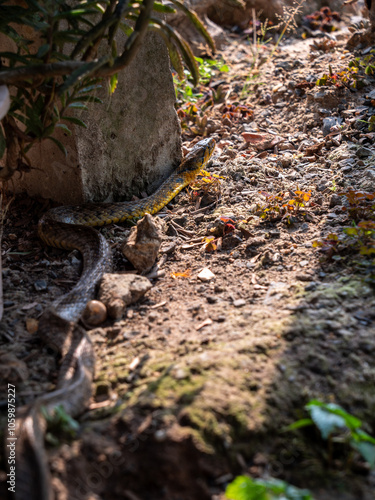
(73,228)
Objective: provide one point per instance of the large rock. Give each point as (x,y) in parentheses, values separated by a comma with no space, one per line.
(131,144)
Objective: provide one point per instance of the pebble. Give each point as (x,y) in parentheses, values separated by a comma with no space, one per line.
(180,374)
(206,275)
(304,263)
(153,316)
(40,285)
(220,319)
(95,313)
(335,200)
(160,435)
(239,303)
(328,123)
(364,152)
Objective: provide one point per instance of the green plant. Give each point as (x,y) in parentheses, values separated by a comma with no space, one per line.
(353,76)
(337,425)
(60,425)
(359,237)
(370,122)
(361,204)
(64,52)
(287,23)
(186,91)
(246,488)
(280,207)
(259,43)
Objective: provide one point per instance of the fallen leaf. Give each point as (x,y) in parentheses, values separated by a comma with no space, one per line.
(184,274)
(262,141)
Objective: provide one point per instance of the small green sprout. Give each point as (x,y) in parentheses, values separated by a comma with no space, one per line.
(335,424)
(246,488)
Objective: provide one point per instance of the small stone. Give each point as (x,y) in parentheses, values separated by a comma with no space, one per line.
(304,277)
(276,257)
(160,435)
(180,374)
(143,244)
(153,316)
(304,263)
(127,287)
(75,261)
(311,286)
(231,241)
(168,247)
(206,275)
(95,313)
(40,285)
(328,123)
(335,200)
(211,299)
(221,318)
(239,303)
(363,152)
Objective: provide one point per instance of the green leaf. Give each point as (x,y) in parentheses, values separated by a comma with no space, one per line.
(366,449)
(87,98)
(303,422)
(361,435)
(126,28)
(81,73)
(113,83)
(2,142)
(326,422)
(59,144)
(182,46)
(42,51)
(64,128)
(88,88)
(75,120)
(197,23)
(78,105)
(173,52)
(351,231)
(244,488)
(167,9)
(75,13)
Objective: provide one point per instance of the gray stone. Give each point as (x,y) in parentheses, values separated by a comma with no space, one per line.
(127,288)
(40,285)
(142,246)
(328,123)
(239,303)
(131,144)
(364,152)
(335,200)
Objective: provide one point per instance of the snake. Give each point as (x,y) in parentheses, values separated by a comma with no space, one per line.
(74,227)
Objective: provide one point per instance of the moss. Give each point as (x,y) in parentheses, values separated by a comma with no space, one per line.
(343,288)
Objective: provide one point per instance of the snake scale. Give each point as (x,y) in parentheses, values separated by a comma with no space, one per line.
(73,228)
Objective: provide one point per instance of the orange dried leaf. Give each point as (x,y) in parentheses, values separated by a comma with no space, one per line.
(184,274)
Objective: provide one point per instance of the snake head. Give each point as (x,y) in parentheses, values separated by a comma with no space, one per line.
(198,156)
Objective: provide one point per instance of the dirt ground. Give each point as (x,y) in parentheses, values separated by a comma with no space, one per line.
(196,384)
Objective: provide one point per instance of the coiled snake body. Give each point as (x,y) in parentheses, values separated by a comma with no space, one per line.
(72,228)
